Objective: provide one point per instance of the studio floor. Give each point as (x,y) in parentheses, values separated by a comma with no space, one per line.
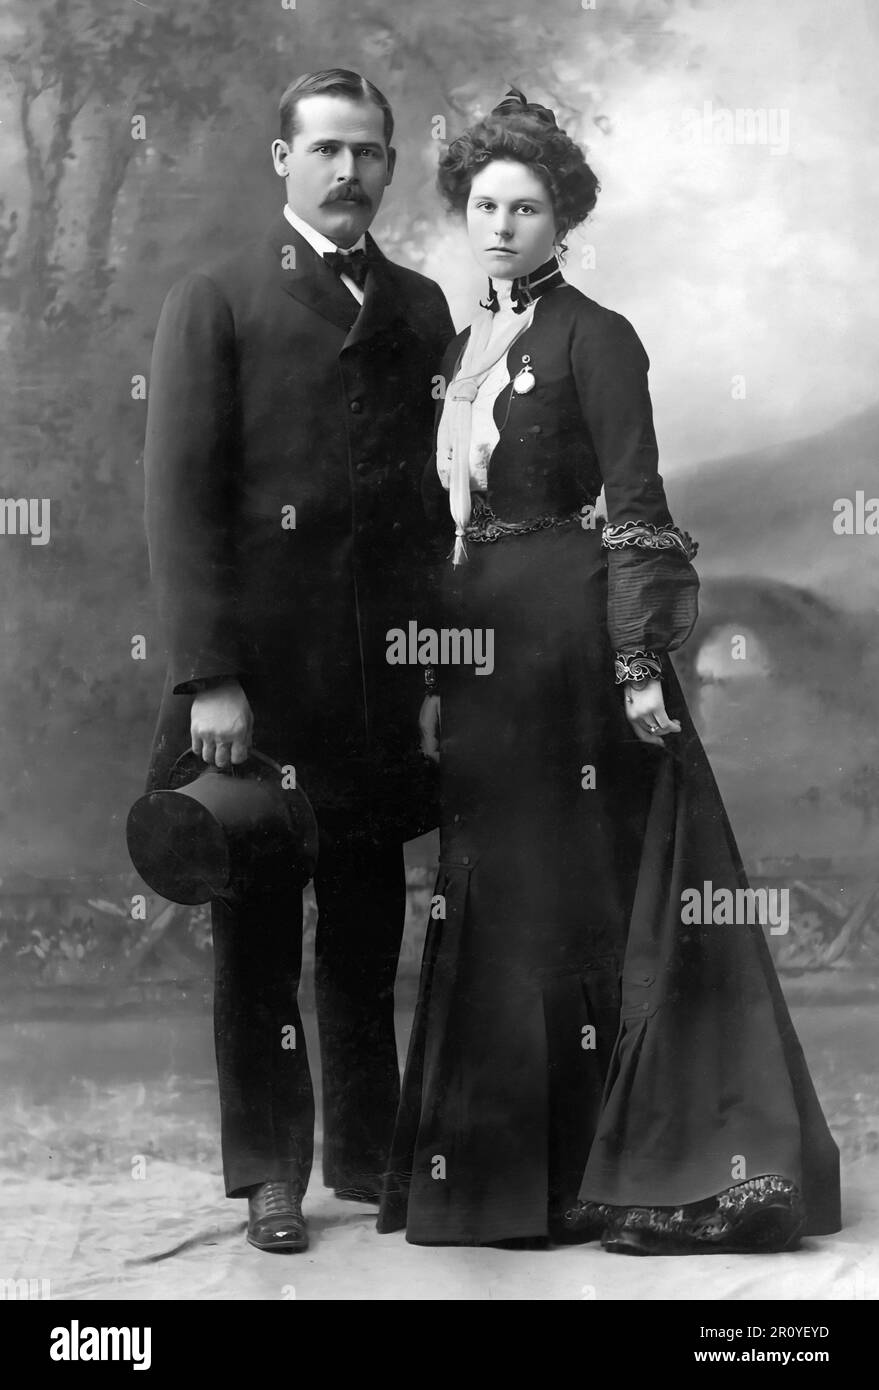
(111,1188)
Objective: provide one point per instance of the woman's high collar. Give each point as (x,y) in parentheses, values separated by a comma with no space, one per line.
(526,288)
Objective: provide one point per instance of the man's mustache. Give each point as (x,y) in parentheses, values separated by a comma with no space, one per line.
(348,193)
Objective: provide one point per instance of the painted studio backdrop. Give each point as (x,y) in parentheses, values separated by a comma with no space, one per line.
(737,152)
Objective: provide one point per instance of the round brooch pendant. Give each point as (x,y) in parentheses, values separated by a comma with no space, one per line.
(524,381)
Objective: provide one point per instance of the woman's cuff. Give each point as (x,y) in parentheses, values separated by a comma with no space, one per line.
(431,680)
(648,537)
(643,665)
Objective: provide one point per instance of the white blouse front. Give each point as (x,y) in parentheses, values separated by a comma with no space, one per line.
(484,433)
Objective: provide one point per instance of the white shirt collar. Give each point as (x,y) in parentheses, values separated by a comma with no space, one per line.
(316,240)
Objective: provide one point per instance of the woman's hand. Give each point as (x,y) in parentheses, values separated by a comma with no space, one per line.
(645,711)
(429,724)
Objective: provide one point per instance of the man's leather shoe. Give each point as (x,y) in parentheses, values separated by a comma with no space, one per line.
(276,1221)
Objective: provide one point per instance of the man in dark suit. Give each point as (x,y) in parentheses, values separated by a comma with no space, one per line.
(290,415)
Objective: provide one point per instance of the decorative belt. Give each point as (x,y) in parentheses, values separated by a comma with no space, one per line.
(485,526)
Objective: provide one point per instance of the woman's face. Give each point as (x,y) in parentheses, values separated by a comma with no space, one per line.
(510,219)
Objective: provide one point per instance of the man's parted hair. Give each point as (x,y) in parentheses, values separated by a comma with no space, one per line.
(335,82)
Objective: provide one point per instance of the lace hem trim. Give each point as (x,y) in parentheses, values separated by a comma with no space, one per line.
(649,537)
(709,1221)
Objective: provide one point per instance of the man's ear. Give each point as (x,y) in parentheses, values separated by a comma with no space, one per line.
(392,164)
(279,157)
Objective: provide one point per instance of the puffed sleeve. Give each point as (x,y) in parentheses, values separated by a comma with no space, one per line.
(652,586)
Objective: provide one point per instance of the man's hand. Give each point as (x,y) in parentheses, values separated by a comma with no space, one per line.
(429,724)
(645,711)
(221,726)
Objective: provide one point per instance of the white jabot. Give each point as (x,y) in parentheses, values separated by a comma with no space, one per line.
(484,433)
(467,431)
(321,244)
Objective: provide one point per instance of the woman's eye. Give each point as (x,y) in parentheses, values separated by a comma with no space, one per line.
(526,207)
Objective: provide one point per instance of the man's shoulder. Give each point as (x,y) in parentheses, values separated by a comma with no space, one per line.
(228,270)
(221,292)
(418,289)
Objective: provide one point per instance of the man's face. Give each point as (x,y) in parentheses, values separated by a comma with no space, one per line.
(337,165)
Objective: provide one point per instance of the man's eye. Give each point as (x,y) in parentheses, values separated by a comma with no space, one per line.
(368,152)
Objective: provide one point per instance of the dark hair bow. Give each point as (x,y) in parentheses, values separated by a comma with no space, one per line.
(516,103)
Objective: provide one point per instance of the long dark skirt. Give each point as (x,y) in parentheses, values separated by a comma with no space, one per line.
(573,1037)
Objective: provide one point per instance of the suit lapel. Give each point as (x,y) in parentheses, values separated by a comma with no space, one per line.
(309,279)
(381,299)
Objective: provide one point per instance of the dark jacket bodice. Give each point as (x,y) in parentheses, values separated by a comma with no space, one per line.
(588,424)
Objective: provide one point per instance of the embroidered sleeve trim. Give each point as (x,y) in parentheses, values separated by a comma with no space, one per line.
(637,666)
(649,537)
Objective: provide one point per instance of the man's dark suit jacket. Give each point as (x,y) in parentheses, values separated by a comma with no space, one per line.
(271,389)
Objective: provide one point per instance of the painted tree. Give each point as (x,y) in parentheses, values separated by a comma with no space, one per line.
(89,83)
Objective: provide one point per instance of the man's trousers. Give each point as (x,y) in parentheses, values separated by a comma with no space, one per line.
(266,1096)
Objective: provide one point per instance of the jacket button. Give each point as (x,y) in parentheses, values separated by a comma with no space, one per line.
(465,859)
(362,467)
(397,526)
(356,406)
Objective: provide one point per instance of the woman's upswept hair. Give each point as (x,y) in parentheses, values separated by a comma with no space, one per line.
(525,132)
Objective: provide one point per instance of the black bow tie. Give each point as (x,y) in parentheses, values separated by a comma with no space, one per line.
(354,264)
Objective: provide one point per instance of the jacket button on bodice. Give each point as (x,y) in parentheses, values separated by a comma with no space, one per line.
(362,467)
(356,406)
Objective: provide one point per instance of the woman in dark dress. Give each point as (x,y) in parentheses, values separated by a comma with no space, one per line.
(586,1061)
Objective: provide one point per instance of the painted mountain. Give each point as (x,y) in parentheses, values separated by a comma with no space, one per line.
(792,727)
(771,514)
